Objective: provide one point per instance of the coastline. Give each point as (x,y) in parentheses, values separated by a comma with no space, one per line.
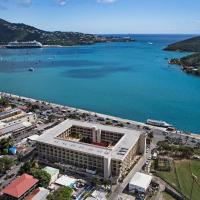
(81,111)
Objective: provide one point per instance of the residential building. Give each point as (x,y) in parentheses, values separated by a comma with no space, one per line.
(20,187)
(14,129)
(9,113)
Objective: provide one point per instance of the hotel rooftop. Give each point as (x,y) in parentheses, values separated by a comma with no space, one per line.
(117,151)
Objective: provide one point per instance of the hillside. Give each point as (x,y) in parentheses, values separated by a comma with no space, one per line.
(189,64)
(22,32)
(190,45)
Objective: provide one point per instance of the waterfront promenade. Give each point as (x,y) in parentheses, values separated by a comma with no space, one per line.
(132,123)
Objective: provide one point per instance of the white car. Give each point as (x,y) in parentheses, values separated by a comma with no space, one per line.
(149,158)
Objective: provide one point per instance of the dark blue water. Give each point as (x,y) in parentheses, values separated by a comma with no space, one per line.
(130,80)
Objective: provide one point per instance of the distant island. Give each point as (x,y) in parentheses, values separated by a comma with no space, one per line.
(191,63)
(22,32)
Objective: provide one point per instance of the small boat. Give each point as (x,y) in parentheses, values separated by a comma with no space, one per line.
(150,43)
(158,123)
(31,69)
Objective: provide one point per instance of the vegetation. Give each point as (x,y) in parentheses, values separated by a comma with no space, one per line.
(191,60)
(63,193)
(190,63)
(5,164)
(176,151)
(28,166)
(32,167)
(5,144)
(167,196)
(162,165)
(180,177)
(33,107)
(190,45)
(4,102)
(170,176)
(43,177)
(21,32)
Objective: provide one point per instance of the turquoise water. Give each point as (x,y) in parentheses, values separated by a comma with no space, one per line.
(129,80)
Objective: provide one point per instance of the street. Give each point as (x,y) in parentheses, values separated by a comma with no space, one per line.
(117,191)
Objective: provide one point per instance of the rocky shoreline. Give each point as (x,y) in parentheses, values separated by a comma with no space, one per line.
(189,69)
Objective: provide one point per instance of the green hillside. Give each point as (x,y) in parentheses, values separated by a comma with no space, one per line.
(190,45)
(21,32)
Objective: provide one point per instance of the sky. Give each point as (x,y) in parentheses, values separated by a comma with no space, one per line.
(106,16)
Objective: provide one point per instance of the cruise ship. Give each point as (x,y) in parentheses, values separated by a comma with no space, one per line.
(27,44)
(158,123)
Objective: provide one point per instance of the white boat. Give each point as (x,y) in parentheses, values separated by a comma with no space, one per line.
(158,123)
(150,43)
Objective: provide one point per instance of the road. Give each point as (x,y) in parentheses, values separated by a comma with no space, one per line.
(117,191)
(15,169)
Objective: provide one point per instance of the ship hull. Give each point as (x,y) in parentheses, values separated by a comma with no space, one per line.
(23,47)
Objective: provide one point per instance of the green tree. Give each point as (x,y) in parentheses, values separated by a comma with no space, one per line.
(106,183)
(5,143)
(4,102)
(43,177)
(95,181)
(5,164)
(29,166)
(63,193)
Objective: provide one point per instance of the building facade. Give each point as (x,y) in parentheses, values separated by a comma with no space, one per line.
(15,122)
(104,150)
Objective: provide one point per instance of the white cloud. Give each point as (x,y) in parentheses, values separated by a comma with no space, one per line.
(61,2)
(106,1)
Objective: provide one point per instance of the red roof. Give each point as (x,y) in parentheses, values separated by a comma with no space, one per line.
(20,185)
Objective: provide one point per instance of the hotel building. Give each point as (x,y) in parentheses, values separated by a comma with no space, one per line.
(98,149)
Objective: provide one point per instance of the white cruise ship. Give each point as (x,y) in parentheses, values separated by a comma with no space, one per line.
(158,123)
(28,44)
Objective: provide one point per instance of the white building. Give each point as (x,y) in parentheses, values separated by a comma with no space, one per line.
(53,173)
(65,181)
(140,182)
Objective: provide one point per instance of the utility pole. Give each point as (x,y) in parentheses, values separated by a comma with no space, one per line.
(194,178)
